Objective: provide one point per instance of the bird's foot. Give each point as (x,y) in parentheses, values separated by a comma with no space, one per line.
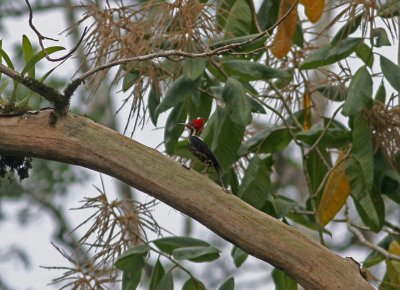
(226,190)
(186,166)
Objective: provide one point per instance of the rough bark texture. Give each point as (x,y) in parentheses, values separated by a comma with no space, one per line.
(80,141)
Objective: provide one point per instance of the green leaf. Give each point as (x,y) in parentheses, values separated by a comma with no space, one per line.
(193,67)
(154,101)
(380,95)
(374,257)
(330,53)
(351,26)
(129,80)
(47,74)
(167,282)
(228,284)
(283,281)
(168,245)
(7,59)
(39,56)
(193,284)
(364,52)
(363,149)
(173,130)
(304,221)
(28,53)
(246,70)
(237,102)
(390,185)
(388,179)
(268,13)
(156,275)
(380,36)
(298,37)
(369,204)
(389,10)
(197,254)
(177,93)
(200,106)
(359,93)
(371,210)
(227,138)
(391,72)
(333,93)
(233,181)
(23,104)
(132,262)
(256,183)
(282,205)
(332,137)
(317,169)
(132,258)
(356,178)
(3,86)
(269,140)
(236,18)
(239,256)
(131,279)
(257,107)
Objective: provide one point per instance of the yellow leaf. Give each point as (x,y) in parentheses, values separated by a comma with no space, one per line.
(314,9)
(307,114)
(286,29)
(393,266)
(336,191)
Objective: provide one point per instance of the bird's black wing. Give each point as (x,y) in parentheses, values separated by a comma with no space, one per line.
(196,143)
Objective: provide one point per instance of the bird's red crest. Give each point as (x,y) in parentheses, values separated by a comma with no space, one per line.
(198,124)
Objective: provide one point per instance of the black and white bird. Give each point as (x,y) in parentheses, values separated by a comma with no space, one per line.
(199,148)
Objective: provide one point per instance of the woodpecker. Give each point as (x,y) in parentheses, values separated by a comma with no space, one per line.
(199,148)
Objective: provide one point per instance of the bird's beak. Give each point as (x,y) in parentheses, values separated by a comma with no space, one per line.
(184,124)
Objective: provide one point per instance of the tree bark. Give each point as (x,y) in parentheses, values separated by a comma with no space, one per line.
(80,141)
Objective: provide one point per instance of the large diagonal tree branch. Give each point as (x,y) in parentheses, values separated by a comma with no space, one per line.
(78,140)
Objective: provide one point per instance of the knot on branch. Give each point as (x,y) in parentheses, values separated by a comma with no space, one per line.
(61,102)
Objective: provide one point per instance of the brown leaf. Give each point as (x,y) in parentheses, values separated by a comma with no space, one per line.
(286,29)
(313,8)
(336,191)
(307,114)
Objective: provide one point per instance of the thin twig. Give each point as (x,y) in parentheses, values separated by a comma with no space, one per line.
(226,49)
(286,124)
(370,245)
(52,95)
(325,130)
(285,105)
(321,186)
(42,37)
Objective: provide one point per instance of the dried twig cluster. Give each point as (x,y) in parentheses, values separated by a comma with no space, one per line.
(112,228)
(126,31)
(385,124)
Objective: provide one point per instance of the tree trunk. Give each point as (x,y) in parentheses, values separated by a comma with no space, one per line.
(80,141)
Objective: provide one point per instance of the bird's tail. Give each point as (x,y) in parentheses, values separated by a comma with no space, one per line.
(220,178)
